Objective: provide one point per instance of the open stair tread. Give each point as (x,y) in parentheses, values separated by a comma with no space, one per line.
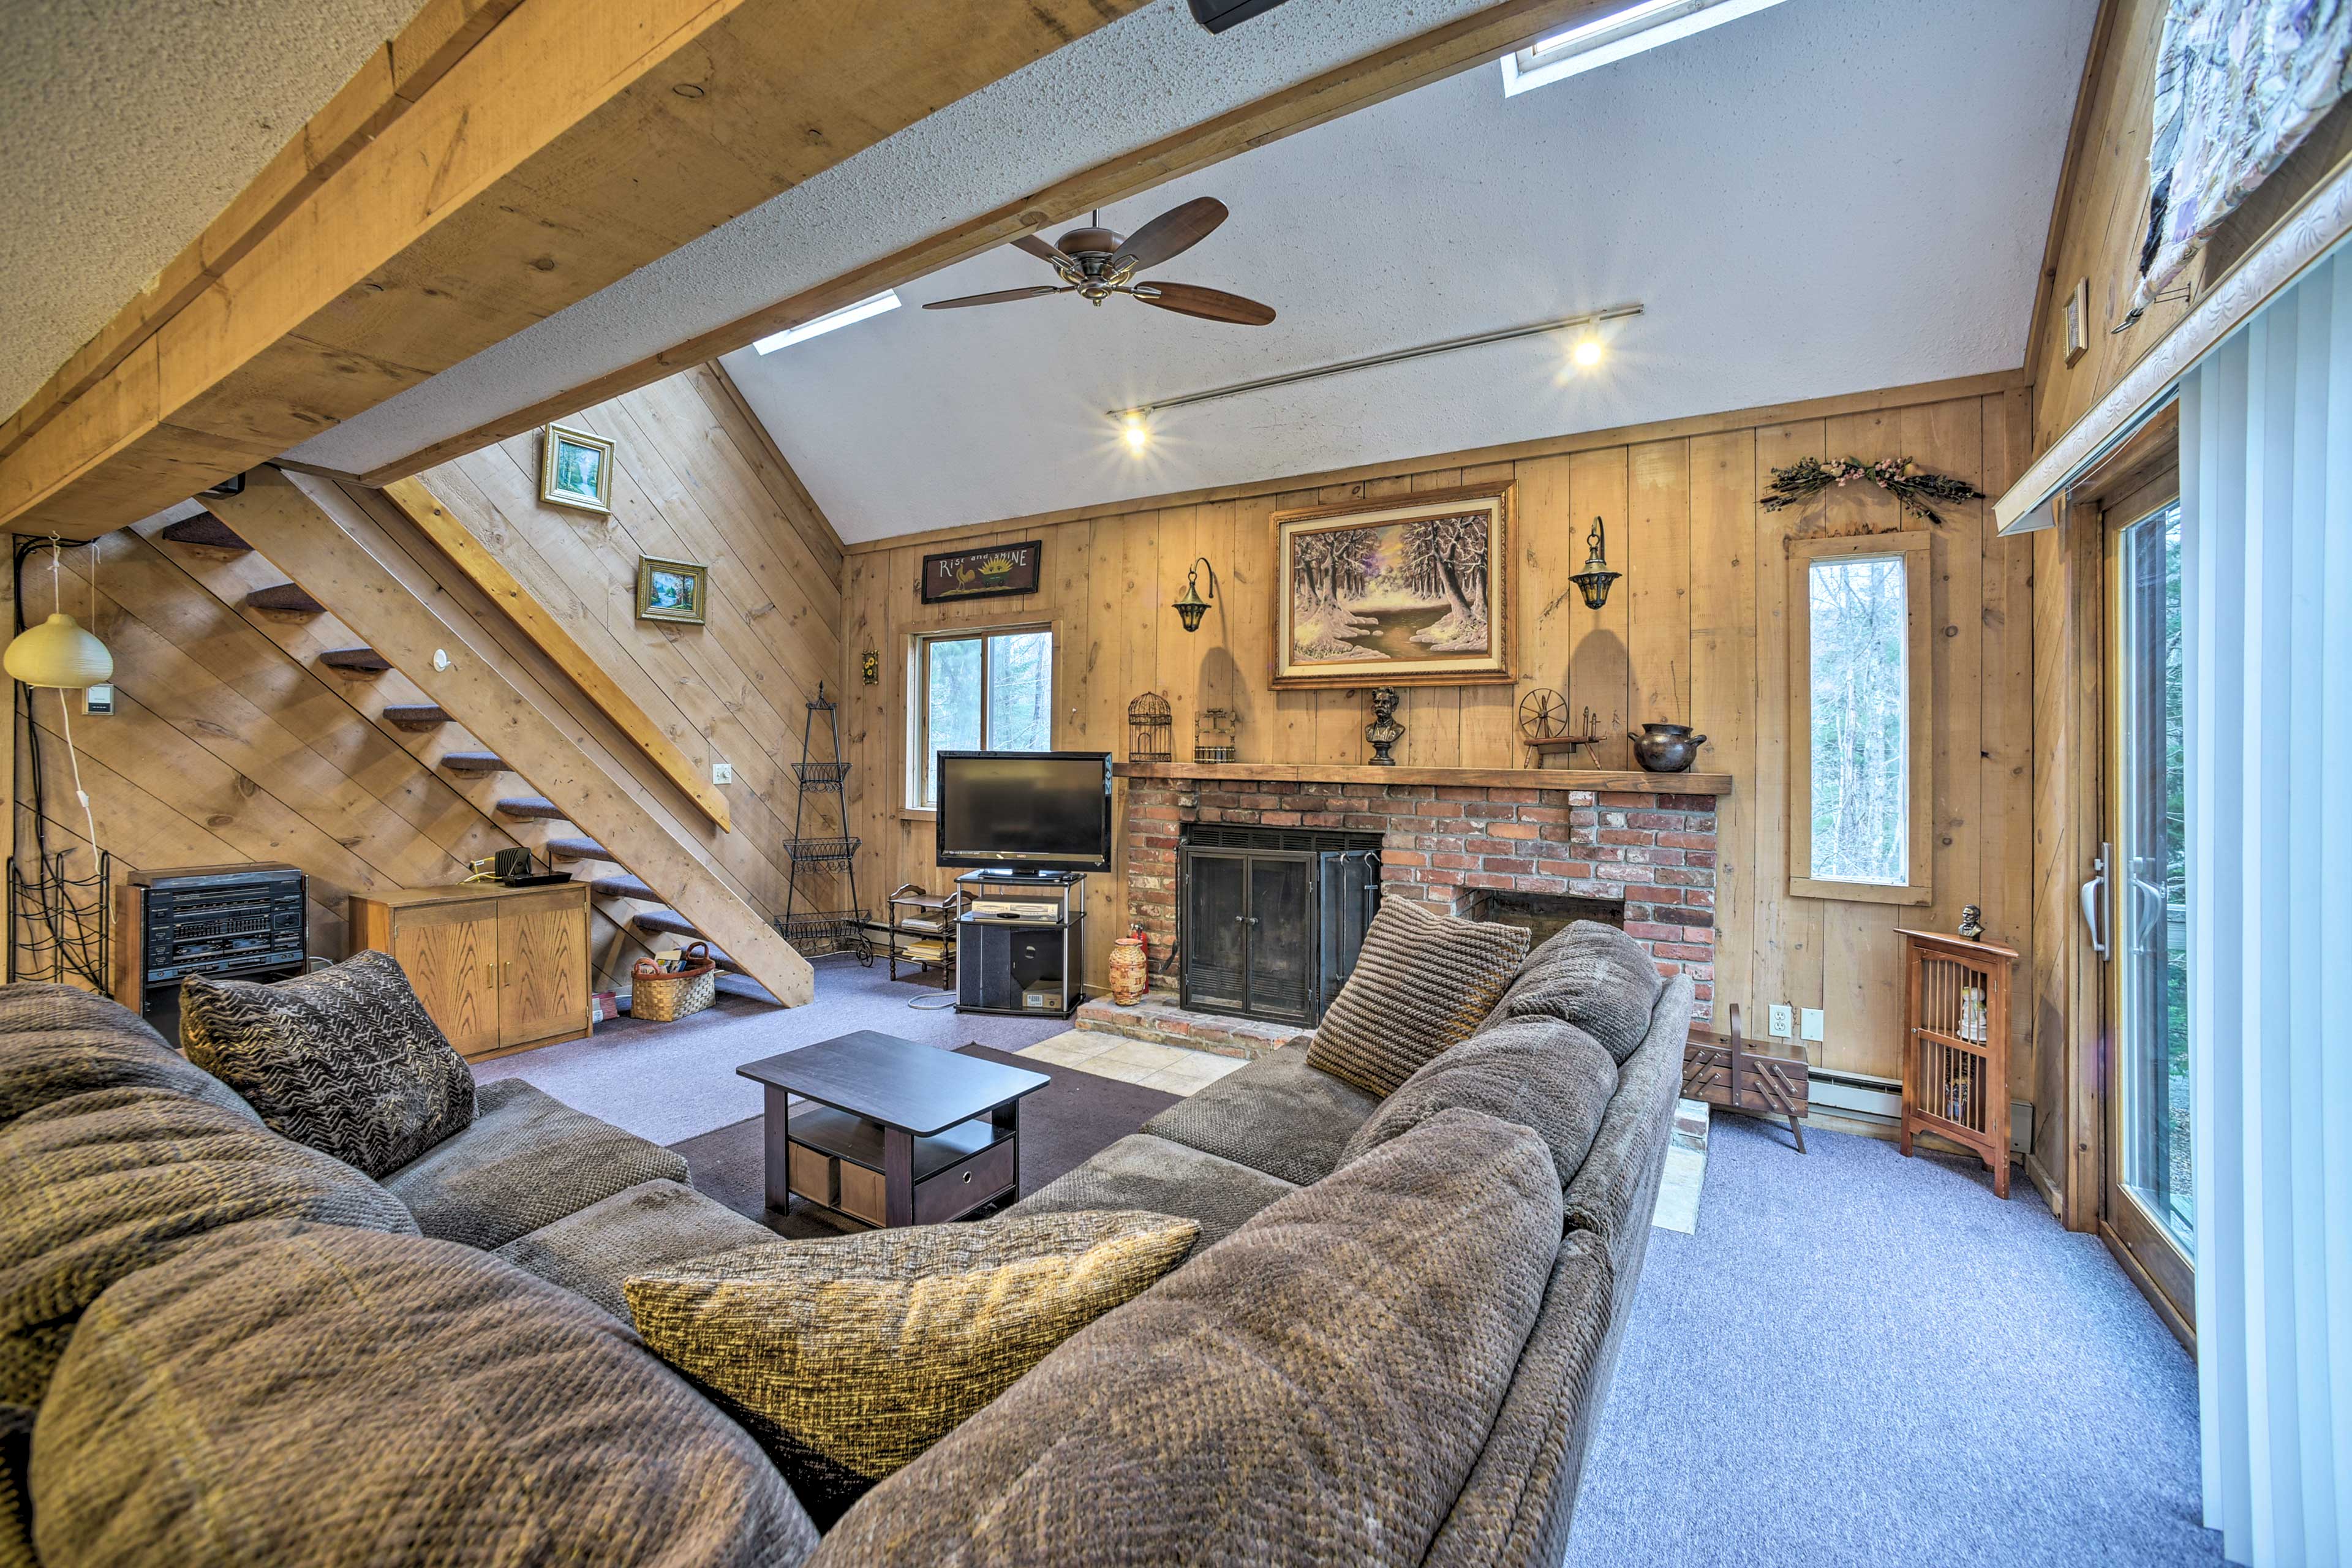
(621,887)
(358,660)
(286,598)
(416,715)
(571,848)
(474,763)
(671,923)
(531,807)
(207,529)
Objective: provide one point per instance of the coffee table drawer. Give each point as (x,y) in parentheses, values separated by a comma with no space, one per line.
(960,1186)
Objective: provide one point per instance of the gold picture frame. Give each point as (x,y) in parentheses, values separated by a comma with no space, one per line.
(575,468)
(1409,591)
(673,591)
(2078,320)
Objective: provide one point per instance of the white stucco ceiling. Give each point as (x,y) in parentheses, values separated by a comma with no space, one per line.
(129,125)
(1124,86)
(1829,195)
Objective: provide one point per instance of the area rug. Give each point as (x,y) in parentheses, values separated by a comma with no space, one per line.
(1062,1125)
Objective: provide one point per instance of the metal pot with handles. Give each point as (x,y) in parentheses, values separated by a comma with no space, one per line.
(1666,748)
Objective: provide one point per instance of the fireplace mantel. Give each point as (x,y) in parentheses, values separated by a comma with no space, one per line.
(1593,779)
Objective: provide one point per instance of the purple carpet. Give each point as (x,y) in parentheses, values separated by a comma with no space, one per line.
(670,1081)
(1864,1360)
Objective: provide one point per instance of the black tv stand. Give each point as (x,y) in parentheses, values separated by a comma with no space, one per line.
(1018,942)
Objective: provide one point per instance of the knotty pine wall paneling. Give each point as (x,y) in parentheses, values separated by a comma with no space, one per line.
(694,478)
(1697,630)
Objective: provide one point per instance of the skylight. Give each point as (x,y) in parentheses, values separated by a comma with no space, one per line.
(1623,33)
(885,300)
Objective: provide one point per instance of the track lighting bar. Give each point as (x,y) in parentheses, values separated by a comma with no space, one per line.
(1395,357)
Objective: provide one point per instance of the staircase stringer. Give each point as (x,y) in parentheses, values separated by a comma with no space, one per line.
(344,554)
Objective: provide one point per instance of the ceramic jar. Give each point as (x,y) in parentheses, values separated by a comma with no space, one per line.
(1130,973)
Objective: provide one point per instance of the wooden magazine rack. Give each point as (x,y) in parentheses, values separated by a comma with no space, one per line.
(1955,1046)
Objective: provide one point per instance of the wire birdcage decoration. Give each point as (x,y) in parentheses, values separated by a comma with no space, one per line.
(1212,735)
(1150,730)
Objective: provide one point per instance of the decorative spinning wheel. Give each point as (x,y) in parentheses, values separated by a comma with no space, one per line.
(1543,714)
(1544,726)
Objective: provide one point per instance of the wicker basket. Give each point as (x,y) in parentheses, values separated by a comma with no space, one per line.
(664,996)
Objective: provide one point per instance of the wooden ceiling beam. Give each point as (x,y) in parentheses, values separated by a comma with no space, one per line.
(498,161)
(1479,38)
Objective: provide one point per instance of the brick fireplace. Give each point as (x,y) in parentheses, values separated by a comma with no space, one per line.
(1652,851)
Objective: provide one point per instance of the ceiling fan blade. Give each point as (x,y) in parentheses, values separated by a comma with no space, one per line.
(1041,249)
(1172,233)
(1211,304)
(1000,297)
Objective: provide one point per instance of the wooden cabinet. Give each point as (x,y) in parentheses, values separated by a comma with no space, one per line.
(501,969)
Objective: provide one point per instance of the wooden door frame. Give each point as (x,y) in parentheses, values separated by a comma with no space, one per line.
(2137,480)
(2155,1263)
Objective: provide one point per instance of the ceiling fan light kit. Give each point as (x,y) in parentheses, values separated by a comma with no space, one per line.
(1096,263)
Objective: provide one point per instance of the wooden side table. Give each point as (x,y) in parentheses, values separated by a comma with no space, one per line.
(1955,1046)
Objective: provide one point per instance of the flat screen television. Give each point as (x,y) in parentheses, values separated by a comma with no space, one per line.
(1025,811)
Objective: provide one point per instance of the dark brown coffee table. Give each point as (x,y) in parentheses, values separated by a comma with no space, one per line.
(895,1132)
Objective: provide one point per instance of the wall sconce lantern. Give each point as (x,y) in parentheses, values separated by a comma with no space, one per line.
(1191,606)
(1594,580)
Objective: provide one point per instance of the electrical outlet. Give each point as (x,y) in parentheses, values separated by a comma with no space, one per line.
(722,773)
(1783,1025)
(1809,1020)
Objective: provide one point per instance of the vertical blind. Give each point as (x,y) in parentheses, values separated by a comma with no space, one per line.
(2266,498)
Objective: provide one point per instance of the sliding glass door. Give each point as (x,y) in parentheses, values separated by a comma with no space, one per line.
(2151,1197)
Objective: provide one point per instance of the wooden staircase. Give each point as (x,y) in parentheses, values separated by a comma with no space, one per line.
(335,544)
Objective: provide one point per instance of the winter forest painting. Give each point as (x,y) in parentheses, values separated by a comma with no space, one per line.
(1412,594)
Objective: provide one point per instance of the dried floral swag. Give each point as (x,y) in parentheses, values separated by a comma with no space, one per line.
(1898,477)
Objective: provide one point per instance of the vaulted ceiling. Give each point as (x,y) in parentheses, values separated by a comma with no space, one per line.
(1827,196)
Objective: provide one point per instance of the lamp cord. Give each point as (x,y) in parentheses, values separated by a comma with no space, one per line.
(65,704)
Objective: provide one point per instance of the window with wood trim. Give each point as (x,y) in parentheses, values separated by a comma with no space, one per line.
(1860,793)
(977,691)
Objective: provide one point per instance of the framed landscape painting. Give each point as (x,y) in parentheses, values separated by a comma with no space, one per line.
(575,469)
(1404,592)
(672,590)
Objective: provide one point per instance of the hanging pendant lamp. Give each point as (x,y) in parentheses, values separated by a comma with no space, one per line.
(58,653)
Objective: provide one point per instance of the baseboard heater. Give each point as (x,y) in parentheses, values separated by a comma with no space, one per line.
(1867,1098)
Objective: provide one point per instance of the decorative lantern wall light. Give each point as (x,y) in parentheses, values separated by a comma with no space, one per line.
(1191,606)
(1150,726)
(1594,580)
(1212,735)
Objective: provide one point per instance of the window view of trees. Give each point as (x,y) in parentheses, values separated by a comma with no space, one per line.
(991,691)
(1861,718)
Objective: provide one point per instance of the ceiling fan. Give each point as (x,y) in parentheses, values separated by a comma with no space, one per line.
(1096,263)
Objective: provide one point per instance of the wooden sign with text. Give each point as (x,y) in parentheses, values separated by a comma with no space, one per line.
(983,574)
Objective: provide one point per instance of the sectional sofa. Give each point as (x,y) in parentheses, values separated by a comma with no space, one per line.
(218,1346)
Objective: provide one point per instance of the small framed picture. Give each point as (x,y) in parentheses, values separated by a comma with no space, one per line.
(575,469)
(672,591)
(2078,320)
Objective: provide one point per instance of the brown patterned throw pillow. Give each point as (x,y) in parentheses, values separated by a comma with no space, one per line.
(849,1357)
(346,1060)
(1422,981)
